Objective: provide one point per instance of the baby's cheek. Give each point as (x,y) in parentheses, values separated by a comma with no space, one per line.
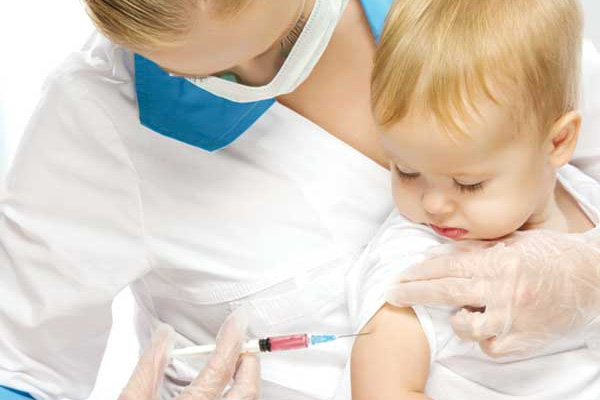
(496,216)
(409,204)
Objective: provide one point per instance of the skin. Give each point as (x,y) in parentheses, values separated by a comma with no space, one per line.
(519,191)
(454,181)
(327,97)
(254,58)
(392,362)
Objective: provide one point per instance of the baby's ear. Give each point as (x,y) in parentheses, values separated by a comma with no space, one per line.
(563,138)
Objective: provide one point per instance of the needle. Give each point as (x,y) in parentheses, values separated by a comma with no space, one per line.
(354,334)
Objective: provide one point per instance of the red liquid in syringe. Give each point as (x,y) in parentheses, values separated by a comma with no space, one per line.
(279,343)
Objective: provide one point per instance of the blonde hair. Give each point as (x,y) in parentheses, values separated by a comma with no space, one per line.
(150,24)
(444,55)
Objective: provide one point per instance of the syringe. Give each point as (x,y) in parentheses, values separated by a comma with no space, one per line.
(268,344)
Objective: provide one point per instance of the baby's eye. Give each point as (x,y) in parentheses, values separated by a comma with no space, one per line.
(406,175)
(473,187)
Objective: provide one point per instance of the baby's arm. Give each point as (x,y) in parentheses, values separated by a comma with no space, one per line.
(392,362)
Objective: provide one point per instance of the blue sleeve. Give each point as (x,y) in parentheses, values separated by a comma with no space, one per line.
(13,394)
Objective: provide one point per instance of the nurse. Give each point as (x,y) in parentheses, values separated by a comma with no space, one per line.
(210,155)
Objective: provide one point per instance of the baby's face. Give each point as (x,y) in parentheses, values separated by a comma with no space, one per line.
(484,186)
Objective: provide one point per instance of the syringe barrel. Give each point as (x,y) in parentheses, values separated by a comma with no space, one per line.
(288,342)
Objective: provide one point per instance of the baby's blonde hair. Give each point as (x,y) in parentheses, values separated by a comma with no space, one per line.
(151,24)
(444,55)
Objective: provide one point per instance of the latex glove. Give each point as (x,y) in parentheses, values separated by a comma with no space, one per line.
(224,364)
(534,288)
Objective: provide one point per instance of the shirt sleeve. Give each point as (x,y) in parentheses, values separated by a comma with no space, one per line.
(70,240)
(587,152)
(399,244)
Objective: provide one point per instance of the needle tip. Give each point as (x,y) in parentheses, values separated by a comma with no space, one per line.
(355,334)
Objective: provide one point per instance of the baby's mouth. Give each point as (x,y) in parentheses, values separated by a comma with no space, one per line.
(449,232)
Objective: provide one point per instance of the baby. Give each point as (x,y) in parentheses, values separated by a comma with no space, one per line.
(477,104)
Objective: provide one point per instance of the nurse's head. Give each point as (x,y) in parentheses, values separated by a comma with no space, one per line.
(195,38)
(477,105)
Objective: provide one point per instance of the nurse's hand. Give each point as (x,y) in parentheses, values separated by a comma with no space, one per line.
(520,295)
(224,365)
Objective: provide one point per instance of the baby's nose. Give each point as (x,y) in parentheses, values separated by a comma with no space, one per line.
(435,202)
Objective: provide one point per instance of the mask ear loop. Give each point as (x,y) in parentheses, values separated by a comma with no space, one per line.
(293,36)
(306,27)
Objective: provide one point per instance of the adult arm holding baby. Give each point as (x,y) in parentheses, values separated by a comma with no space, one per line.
(537,288)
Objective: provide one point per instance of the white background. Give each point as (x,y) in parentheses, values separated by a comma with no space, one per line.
(35,35)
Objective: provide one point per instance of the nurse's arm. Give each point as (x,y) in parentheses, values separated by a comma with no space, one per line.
(392,361)
(70,239)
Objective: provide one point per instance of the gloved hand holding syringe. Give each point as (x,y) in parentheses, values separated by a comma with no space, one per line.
(268,344)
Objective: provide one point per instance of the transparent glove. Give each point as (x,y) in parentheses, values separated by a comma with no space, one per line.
(515,297)
(224,365)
